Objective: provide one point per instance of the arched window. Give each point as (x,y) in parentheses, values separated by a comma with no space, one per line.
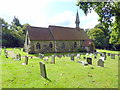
(50,45)
(63,45)
(37,46)
(75,45)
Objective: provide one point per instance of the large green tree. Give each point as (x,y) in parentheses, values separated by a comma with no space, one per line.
(12,34)
(105,10)
(98,36)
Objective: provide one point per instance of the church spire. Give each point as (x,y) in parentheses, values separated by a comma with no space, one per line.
(77,20)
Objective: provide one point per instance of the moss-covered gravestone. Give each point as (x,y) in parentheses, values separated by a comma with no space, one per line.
(89,60)
(112,56)
(43,70)
(100,63)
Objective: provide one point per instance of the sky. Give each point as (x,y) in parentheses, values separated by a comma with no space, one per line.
(42,13)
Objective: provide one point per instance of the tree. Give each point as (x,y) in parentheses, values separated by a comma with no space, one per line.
(98,36)
(105,10)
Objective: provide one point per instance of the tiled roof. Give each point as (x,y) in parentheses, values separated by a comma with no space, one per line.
(56,33)
(39,33)
(66,33)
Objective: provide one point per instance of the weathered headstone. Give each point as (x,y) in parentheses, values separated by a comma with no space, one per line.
(72,57)
(53,59)
(100,63)
(112,56)
(78,56)
(46,59)
(26,60)
(43,70)
(89,60)
(6,54)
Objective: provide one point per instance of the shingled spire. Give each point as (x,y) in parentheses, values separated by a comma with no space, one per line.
(77,22)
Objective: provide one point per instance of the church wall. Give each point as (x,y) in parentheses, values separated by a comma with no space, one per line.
(41,46)
(67,46)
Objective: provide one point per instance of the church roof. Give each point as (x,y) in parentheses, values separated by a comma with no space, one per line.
(56,33)
(39,33)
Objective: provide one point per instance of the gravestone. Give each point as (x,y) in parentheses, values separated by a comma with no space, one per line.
(46,59)
(43,70)
(100,63)
(26,60)
(112,56)
(102,58)
(53,59)
(83,63)
(19,56)
(78,56)
(72,57)
(89,60)
(108,54)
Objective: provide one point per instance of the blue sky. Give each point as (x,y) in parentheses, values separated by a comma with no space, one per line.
(42,13)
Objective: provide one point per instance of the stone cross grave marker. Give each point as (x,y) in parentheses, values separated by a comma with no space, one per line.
(112,56)
(89,60)
(43,70)
(53,59)
(100,63)
(72,57)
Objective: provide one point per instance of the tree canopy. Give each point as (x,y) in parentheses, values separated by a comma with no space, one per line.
(13,34)
(106,11)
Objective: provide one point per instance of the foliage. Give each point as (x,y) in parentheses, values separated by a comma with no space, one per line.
(106,11)
(98,36)
(13,34)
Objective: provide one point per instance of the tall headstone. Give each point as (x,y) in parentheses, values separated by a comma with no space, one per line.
(26,60)
(89,60)
(19,56)
(100,63)
(72,57)
(53,59)
(43,70)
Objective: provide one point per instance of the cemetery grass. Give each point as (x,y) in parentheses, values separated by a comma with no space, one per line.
(64,74)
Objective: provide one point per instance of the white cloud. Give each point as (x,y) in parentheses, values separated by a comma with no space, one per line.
(90,20)
(67,18)
(33,12)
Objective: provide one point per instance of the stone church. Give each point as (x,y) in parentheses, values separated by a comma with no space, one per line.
(55,39)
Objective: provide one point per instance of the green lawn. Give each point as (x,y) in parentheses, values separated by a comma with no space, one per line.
(64,74)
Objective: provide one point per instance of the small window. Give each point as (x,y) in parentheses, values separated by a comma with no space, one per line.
(75,45)
(50,45)
(63,45)
(37,46)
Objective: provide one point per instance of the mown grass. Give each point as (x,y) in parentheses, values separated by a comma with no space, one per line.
(64,74)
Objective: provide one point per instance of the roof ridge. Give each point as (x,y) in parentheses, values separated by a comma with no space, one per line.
(61,26)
